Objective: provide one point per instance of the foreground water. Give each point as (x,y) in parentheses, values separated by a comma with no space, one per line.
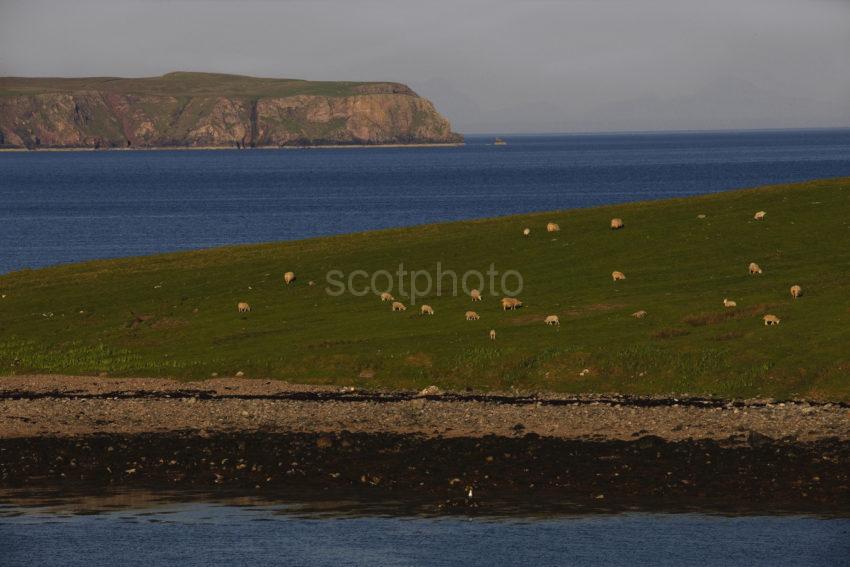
(218,534)
(70,206)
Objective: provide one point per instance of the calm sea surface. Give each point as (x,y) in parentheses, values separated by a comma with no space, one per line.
(69,206)
(209,534)
(64,207)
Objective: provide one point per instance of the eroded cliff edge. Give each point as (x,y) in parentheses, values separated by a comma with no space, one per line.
(208,110)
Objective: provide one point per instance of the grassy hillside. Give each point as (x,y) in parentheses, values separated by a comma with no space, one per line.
(175,315)
(187,84)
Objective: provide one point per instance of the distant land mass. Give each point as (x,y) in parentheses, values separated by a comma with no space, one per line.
(197,110)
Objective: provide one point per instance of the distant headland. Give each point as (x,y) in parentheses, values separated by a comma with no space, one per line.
(208,110)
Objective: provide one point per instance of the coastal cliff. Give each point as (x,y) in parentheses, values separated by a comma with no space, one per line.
(209,110)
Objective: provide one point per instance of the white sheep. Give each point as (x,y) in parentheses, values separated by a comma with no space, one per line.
(472,316)
(639,314)
(475,295)
(288,277)
(398,306)
(729,303)
(617,276)
(243,307)
(796,291)
(754,269)
(616,224)
(553,227)
(759,215)
(426,310)
(526,231)
(387,296)
(552,320)
(510,303)
(492,334)
(771,320)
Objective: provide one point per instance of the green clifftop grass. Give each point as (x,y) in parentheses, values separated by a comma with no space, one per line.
(175,314)
(188,84)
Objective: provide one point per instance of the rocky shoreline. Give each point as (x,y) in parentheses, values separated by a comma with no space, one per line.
(39,406)
(507,450)
(489,473)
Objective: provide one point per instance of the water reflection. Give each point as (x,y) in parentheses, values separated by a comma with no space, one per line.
(157,528)
(141,503)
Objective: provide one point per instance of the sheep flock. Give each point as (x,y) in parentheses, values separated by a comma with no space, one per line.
(553,320)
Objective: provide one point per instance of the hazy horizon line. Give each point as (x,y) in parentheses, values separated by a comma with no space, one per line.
(674,131)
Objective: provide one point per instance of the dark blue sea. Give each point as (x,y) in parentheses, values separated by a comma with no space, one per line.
(70,206)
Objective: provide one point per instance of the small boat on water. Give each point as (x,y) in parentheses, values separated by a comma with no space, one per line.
(499,142)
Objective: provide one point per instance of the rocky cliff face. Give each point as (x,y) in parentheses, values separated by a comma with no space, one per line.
(368,113)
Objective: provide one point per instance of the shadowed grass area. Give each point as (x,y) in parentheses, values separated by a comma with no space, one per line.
(175,314)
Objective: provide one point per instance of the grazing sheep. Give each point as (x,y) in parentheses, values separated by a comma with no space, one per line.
(398,306)
(387,296)
(754,269)
(492,334)
(526,231)
(616,224)
(243,307)
(472,316)
(475,295)
(639,314)
(510,303)
(288,277)
(552,320)
(430,391)
(729,303)
(796,291)
(553,227)
(759,215)
(771,320)
(618,276)
(426,310)
(311,283)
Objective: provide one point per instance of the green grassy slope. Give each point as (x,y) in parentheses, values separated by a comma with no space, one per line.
(181,84)
(80,318)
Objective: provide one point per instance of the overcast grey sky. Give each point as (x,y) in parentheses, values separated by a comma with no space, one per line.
(490,66)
